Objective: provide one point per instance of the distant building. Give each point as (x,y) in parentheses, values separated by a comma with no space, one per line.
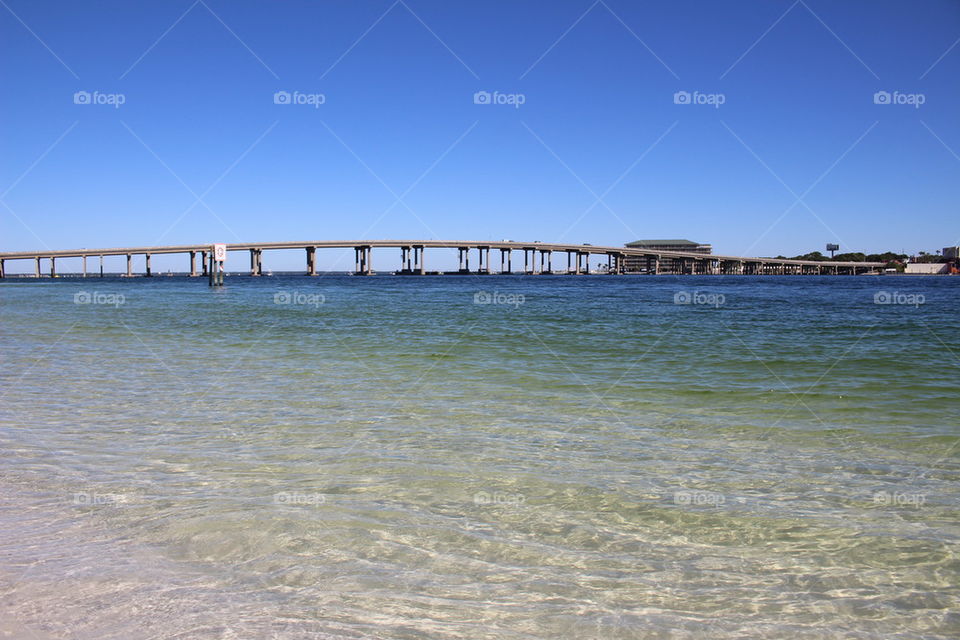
(636,264)
(951,253)
(671,245)
(927,268)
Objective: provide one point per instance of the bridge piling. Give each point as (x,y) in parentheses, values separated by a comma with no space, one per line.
(366,262)
(256,268)
(149,273)
(311,261)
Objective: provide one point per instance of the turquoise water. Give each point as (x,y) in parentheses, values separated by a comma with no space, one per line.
(392,457)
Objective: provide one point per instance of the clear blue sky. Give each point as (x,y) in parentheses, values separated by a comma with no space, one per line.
(599,119)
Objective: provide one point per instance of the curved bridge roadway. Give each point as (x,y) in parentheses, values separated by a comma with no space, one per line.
(619,259)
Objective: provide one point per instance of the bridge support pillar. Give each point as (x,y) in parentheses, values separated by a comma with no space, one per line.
(615,264)
(256,267)
(1,268)
(546,262)
(364,262)
(311,261)
(148,271)
(129,265)
(53,267)
(36,268)
(193,264)
(84,268)
(101,266)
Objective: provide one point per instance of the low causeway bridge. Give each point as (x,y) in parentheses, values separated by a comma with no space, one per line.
(537,258)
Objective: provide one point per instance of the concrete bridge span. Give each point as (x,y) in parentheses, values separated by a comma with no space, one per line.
(537,258)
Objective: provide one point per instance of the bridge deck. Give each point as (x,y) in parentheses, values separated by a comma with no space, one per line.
(426,244)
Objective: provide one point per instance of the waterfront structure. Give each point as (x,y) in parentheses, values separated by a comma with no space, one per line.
(672,245)
(537,258)
(636,264)
(926,268)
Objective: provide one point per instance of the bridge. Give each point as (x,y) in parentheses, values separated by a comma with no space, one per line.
(412,258)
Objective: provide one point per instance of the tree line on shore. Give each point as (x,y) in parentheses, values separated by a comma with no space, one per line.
(889,257)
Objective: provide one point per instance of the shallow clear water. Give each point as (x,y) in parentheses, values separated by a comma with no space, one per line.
(385,457)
